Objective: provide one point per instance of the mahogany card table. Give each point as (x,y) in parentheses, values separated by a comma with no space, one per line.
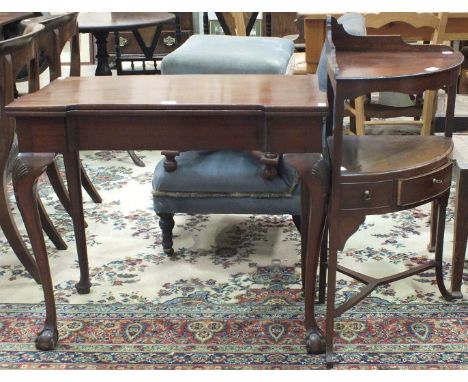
(272,113)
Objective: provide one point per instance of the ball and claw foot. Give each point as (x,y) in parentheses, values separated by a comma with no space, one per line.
(83,287)
(47,339)
(169,251)
(315,341)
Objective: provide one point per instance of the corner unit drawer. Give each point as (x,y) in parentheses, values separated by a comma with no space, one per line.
(366,195)
(423,187)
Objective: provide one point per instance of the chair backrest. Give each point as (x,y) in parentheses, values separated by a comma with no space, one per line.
(58,30)
(237,23)
(15,54)
(411,26)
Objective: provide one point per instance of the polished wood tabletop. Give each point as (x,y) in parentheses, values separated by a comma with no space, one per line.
(240,112)
(11,17)
(371,65)
(268,92)
(90,22)
(315,25)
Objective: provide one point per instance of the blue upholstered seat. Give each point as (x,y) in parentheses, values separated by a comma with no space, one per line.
(224,182)
(212,54)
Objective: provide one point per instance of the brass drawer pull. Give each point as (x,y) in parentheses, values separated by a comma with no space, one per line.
(437,181)
(367,195)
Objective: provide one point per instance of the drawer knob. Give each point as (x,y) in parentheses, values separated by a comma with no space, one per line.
(122,41)
(169,41)
(367,195)
(436,181)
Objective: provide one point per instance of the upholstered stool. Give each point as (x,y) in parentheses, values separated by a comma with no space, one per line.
(219,181)
(218,54)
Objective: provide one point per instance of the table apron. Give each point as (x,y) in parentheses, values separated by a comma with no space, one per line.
(251,130)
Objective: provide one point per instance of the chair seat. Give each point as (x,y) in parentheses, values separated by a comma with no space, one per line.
(212,54)
(392,155)
(224,182)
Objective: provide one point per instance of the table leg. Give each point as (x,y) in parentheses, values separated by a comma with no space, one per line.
(73,172)
(315,189)
(460,231)
(102,68)
(25,175)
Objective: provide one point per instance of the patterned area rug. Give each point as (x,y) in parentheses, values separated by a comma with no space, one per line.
(230,298)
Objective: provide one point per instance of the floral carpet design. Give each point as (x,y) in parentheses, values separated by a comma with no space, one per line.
(229,298)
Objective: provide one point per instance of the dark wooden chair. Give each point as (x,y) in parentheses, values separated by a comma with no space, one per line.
(383,174)
(416,27)
(60,30)
(15,54)
(49,40)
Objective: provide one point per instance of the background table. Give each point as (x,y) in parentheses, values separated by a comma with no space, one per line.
(101,24)
(7,18)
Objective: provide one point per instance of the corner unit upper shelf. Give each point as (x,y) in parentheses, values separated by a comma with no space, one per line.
(379,63)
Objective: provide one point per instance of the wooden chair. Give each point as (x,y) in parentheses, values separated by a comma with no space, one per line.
(50,41)
(15,54)
(60,30)
(383,174)
(412,26)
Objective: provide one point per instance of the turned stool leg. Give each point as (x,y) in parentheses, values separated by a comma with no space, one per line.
(166,223)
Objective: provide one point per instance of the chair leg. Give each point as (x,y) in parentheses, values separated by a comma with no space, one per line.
(58,185)
(136,159)
(25,185)
(297,221)
(431,247)
(61,191)
(166,223)
(10,230)
(360,115)
(89,187)
(49,228)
